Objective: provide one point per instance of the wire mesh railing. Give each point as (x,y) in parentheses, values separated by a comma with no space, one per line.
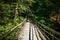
(11,30)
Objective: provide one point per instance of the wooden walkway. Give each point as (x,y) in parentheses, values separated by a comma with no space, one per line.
(29,32)
(24,34)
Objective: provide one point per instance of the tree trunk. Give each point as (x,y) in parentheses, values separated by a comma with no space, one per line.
(16,13)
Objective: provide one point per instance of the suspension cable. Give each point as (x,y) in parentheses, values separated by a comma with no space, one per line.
(46,31)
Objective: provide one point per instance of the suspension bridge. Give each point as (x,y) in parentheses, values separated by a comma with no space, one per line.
(33,30)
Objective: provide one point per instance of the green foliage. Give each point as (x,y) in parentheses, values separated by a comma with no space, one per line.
(42,21)
(11,13)
(13,34)
(7,15)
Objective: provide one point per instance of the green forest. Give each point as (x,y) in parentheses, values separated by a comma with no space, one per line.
(13,12)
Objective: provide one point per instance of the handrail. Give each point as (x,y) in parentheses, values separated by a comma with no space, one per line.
(48,33)
(12,29)
(52,30)
(36,22)
(45,35)
(42,31)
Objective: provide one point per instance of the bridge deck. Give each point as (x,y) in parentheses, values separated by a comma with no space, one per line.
(24,34)
(28,32)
